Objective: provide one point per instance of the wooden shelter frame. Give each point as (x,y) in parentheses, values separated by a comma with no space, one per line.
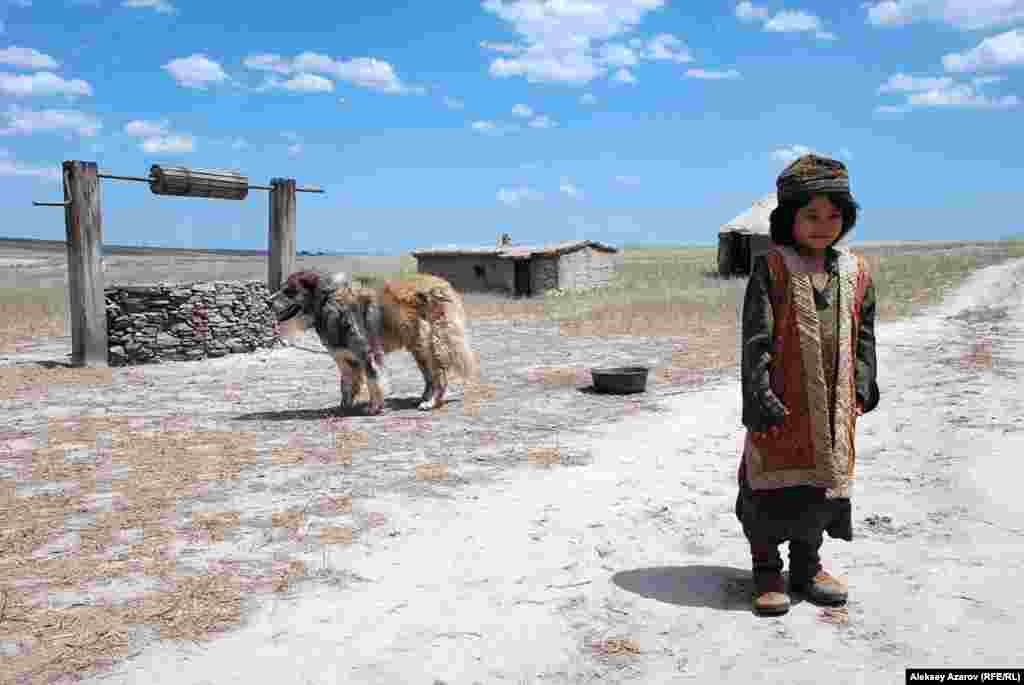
(84,230)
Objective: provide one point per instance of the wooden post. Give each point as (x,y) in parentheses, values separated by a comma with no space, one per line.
(281,247)
(282,232)
(84,227)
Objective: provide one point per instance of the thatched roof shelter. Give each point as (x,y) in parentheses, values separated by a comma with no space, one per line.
(745,236)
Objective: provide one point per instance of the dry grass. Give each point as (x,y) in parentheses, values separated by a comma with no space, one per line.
(158,468)
(616,647)
(28,312)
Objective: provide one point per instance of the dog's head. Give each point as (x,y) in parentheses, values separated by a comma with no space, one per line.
(301,295)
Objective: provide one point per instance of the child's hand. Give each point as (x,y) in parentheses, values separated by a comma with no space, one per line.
(773,432)
(860,409)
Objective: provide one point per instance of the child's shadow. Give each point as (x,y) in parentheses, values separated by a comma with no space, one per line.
(717,587)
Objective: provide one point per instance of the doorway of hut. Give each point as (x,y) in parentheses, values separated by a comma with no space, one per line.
(523,278)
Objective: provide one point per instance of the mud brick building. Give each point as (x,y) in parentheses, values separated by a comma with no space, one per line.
(520,270)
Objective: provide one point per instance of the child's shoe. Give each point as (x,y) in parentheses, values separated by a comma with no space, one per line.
(770,594)
(823,589)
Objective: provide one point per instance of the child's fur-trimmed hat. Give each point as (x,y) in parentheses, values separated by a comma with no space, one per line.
(812,174)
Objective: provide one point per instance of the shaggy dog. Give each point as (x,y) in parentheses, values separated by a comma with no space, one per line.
(421,313)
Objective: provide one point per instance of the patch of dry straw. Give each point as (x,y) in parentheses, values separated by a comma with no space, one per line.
(147,473)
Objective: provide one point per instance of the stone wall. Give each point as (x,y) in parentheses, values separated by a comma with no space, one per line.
(585,269)
(151,323)
(543,274)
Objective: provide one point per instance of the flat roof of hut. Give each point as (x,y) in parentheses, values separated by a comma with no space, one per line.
(515,251)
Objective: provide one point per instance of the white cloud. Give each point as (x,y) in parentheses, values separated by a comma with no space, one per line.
(624,76)
(452,103)
(667,47)
(506,48)
(628,180)
(713,75)
(492,127)
(364,72)
(890,13)
(942,92)
(160,6)
(892,109)
(961,95)
(560,37)
(618,55)
(514,197)
(1003,50)
(785,21)
(906,83)
(797,21)
(788,154)
(141,128)
(169,144)
(985,80)
(10,167)
(747,11)
(968,15)
(588,99)
(539,66)
(368,72)
(308,83)
(41,84)
(542,121)
(26,122)
(522,111)
(295,150)
(27,58)
(195,71)
(569,188)
(157,136)
(268,62)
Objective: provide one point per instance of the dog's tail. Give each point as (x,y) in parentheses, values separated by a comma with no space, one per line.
(464,360)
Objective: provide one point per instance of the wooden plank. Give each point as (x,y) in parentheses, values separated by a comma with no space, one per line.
(282,232)
(84,228)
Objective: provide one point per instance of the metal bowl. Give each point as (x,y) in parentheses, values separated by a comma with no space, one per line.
(620,379)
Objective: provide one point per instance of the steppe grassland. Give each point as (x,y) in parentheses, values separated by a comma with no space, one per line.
(676,292)
(657,291)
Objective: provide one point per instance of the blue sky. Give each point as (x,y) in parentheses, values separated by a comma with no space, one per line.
(627,121)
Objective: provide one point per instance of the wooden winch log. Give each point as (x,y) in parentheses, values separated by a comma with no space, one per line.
(222,185)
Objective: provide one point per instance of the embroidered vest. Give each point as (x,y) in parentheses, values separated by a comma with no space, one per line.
(804,451)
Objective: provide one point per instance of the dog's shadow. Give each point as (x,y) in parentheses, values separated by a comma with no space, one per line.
(716,587)
(391,404)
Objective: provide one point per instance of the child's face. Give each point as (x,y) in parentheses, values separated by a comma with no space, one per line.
(818,224)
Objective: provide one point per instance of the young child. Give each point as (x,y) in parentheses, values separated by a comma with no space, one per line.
(808,371)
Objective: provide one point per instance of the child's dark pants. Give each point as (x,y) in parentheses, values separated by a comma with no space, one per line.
(798,515)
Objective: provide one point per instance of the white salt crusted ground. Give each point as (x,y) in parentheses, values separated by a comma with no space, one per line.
(510,582)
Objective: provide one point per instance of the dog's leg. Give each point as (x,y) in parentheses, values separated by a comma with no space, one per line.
(440,384)
(358,381)
(373,378)
(440,356)
(422,358)
(345,368)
